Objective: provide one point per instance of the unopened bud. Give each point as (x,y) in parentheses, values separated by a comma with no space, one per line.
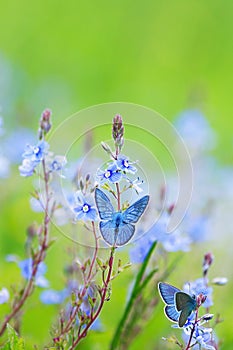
(56,340)
(46,114)
(118,131)
(201,298)
(207,317)
(207,262)
(32,230)
(171,208)
(220,281)
(45,123)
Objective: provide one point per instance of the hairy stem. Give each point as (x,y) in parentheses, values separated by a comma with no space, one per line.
(192,331)
(102,300)
(75,310)
(40,256)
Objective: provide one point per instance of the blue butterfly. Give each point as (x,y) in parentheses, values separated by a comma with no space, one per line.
(179,305)
(116,227)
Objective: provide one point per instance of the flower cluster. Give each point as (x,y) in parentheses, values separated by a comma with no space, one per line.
(117,170)
(32,157)
(171,242)
(34,154)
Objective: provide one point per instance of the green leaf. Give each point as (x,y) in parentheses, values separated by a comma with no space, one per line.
(146,280)
(14,342)
(101,264)
(106,147)
(90,300)
(139,285)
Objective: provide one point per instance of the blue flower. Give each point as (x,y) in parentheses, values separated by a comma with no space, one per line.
(111,174)
(12,258)
(51,296)
(198,228)
(36,204)
(97,325)
(4,167)
(26,271)
(33,155)
(85,209)
(4,295)
(195,130)
(140,249)
(175,241)
(91,293)
(57,163)
(135,184)
(27,167)
(125,164)
(202,337)
(36,153)
(15,144)
(171,242)
(199,287)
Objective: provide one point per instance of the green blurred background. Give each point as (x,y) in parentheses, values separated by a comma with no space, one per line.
(161,54)
(166,55)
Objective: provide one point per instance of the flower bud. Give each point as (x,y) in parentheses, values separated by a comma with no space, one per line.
(118,131)
(220,281)
(207,262)
(201,298)
(45,123)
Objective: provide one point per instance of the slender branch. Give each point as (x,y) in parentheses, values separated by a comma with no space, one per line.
(103,296)
(38,258)
(118,197)
(87,280)
(192,331)
(95,252)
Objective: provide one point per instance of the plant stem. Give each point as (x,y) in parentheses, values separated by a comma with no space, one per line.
(72,318)
(38,258)
(192,331)
(95,252)
(103,296)
(118,197)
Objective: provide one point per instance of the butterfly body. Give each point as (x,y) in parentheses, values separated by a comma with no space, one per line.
(178,305)
(117,227)
(117,219)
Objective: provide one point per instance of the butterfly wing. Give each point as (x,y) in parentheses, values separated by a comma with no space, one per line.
(167,293)
(104,205)
(126,232)
(171,313)
(135,211)
(184,316)
(186,304)
(116,235)
(108,231)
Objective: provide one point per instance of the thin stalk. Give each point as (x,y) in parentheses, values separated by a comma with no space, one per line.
(74,312)
(39,258)
(134,294)
(103,296)
(192,331)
